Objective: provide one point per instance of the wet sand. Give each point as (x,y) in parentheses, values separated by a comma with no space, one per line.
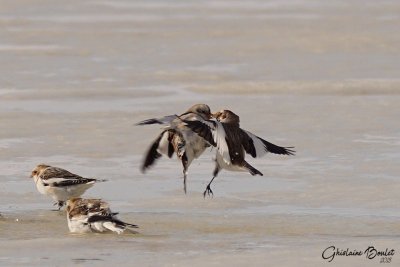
(323,77)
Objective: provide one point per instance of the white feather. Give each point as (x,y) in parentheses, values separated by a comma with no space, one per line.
(163,144)
(261,150)
(78,224)
(113,227)
(219,138)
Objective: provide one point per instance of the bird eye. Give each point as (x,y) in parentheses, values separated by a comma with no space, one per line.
(34,172)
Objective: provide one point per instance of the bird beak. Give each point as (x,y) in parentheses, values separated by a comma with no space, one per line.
(31,176)
(215,115)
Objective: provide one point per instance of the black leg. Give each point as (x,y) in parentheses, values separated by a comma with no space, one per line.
(184,180)
(184,164)
(60,204)
(208,190)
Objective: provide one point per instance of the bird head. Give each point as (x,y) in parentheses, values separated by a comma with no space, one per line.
(38,170)
(201,109)
(226,116)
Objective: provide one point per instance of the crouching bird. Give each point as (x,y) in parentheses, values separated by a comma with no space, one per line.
(94,215)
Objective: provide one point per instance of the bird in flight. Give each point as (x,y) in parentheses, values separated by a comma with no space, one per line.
(232,143)
(178,139)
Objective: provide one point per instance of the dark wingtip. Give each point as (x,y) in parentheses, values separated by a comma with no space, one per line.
(290,151)
(147,122)
(143,169)
(131,225)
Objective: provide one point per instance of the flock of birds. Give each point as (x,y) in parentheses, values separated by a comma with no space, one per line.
(187,135)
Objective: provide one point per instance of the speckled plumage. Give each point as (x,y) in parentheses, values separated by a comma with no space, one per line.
(59,183)
(93,215)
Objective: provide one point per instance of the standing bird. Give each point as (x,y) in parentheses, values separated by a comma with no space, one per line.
(60,184)
(178,139)
(232,143)
(93,215)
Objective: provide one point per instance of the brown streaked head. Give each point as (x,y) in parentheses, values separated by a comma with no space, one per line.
(226,116)
(38,169)
(71,203)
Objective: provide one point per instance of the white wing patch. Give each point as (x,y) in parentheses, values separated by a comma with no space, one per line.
(261,150)
(51,181)
(163,144)
(113,227)
(55,180)
(219,138)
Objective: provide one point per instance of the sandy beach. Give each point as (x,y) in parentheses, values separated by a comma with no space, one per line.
(323,77)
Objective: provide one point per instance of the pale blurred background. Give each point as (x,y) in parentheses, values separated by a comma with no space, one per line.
(322,76)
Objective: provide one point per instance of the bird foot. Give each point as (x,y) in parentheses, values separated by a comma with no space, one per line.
(208,192)
(60,204)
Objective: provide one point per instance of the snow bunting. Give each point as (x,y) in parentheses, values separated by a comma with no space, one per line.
(93,215)
(60,184)
(232,143)
(178,139)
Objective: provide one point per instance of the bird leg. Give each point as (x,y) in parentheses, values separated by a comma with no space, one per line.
(184,180)
(208,190)
(185,167)
(60,204)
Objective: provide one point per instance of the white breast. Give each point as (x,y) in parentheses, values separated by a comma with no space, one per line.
(39,185)
(228,166)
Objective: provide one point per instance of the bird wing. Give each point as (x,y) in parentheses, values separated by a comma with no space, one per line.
(214,133)
(62,182)
(163,120)
(55,172)
(257,147)
(54,176)
(109,218)
(92,207)
(162,145)
(171,121)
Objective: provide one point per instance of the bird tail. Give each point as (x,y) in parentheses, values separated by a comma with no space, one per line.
(253,171)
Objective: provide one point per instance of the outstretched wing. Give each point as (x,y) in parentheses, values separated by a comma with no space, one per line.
(257,147)
(163,120)
(161,145)
(205,129)
(214,133)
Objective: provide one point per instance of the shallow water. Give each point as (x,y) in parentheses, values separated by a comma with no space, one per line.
(323,77)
